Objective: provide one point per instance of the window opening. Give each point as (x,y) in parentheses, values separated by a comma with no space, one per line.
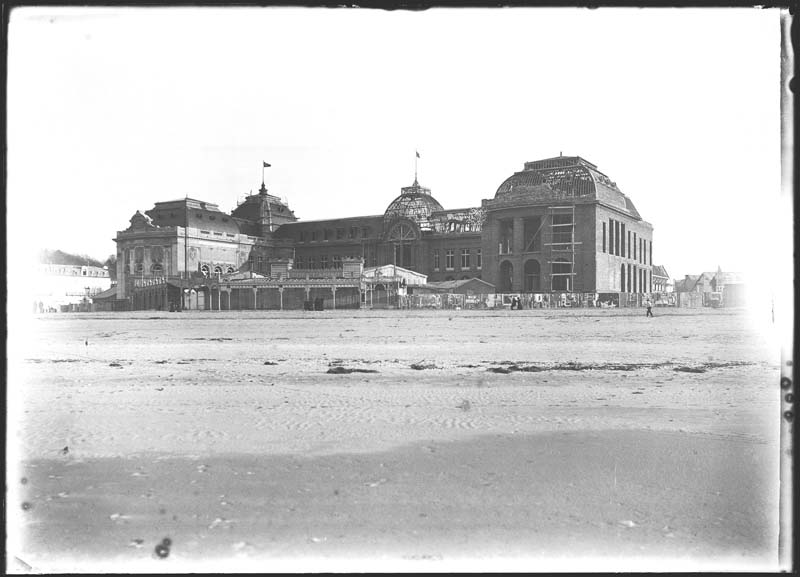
(532,232)
(506,236)
(561,275)
(604,236)
(532,276)
(611,235)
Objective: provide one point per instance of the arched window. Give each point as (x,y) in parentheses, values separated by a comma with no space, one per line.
(157,269)
(402,236)
(217,271)
(204,269)
(229,270)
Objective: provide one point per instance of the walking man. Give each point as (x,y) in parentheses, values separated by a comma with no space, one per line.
(649,306)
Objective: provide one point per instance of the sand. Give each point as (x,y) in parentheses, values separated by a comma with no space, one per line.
(454,440)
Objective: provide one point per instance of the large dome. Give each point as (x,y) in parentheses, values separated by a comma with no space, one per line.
(563,178)
(414,203)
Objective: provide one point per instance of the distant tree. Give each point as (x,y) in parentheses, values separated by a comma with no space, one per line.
(60,257)
(111,263)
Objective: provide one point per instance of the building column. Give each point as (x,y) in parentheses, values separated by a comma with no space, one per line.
(255,298)
(333,290)
(519,239)
(280,294)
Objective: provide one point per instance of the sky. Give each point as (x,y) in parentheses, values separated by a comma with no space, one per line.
(112,110)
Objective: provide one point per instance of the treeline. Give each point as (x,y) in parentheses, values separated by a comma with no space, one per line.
(60,257)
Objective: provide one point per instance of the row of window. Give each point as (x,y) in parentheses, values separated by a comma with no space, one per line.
(635,280)
(450,258)
(215,233)
(75,271)
(319,262)
(335,234)
(628,245)
(199,215)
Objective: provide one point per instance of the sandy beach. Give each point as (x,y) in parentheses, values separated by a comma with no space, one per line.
(529,440)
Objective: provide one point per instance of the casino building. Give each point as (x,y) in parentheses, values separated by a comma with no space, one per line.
(557,226)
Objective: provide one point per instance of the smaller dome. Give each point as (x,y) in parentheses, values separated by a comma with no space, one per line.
(414,203)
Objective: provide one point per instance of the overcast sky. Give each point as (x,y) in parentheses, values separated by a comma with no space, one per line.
(111,110)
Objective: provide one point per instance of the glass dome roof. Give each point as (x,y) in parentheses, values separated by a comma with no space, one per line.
(414,203)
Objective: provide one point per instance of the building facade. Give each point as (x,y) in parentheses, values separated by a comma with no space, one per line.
(178,243)
(62,287)
(561,225)
(558,225)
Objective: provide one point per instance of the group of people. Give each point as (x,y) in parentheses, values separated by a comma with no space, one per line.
(516,304)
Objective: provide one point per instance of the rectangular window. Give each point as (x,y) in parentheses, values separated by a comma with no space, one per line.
(337,261)
(634,246)
(464,258)
(323,261)
(302,236)
(478,258)
(628,279)
(611,236)
(650,254)
(449,259)
(622,240)
(326,234)
(604,236)
(436,260)
(339,233)
(616,237)
(353,232)
(299,262)
(365,232)
(313,235)
(628,252)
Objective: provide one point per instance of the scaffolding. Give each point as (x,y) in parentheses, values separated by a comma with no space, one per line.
(560,249)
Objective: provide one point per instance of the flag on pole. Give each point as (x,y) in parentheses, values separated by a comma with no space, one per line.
(417,153)
(267,164)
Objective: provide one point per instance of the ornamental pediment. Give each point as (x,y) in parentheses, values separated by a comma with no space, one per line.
(141,222)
